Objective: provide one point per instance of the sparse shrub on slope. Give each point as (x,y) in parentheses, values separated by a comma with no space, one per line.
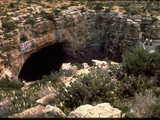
(7,84)
(89,89)
(30,21)
(23,38)
(98,6)
(48,16)
(8,26)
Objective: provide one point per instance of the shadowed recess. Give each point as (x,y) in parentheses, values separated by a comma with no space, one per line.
(46,60)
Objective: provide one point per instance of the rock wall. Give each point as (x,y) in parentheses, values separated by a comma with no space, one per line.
(84,36)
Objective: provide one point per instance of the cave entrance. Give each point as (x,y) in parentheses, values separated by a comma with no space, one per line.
(46,60)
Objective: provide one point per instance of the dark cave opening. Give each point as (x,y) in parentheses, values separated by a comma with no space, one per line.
(46,60)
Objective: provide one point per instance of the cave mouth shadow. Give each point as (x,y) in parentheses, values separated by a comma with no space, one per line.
(47,60)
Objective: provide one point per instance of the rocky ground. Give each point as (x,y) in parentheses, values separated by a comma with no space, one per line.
(86,30)
(46,109)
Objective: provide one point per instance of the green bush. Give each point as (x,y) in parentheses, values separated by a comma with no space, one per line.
(127,9)
(82,9)
(131,84)
(56,11)
(64,7)
(154,19)
(48,16)
(7,84)
(51,1)
(8,26)
(92,88)
(89,4)
(30,21)
(79,65)
(11,5)
(107,9)
(23,38)
(134,12)
(99,6)
(139,62)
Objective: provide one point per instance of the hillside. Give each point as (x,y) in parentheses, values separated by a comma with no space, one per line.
(63,58)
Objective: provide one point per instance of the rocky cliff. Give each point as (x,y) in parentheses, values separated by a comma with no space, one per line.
(83,36)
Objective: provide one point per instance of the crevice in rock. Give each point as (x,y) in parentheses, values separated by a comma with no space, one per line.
(46,60)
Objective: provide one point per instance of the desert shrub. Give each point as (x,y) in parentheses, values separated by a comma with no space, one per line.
(107,9)
(6,84)
(154,111)
(11,5)
(29,1)
(53,78)
(51,1)
(98,6)
(30,21)
(73,3)
(92,88)
(154,19)
(114,69)
(23,38)
(8,26)
(7,36)
(134,12)
(89,4)
(82,9)
(56,11)
(64,7)
(48,16)
(139,62)
(79,65)
(144,105)
(127,9)
(131,84)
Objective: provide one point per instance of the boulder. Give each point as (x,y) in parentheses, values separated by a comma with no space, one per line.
(0,24)
(53,112)
(103,110)
(40,112)
(146,20)
(15,18)
(66,66)
(34,112)
(99,63)
(47,99)
(68,69)
(85,65)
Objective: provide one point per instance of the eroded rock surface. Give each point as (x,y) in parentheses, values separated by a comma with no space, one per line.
(40,112)
(83,35)
(103,110)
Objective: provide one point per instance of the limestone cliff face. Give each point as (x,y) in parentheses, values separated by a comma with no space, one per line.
(84,36)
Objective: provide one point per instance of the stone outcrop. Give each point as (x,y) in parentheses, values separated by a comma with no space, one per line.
(103,110)
(83,35)
(35,112)
(53,112)
(47,99)
(40,112)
